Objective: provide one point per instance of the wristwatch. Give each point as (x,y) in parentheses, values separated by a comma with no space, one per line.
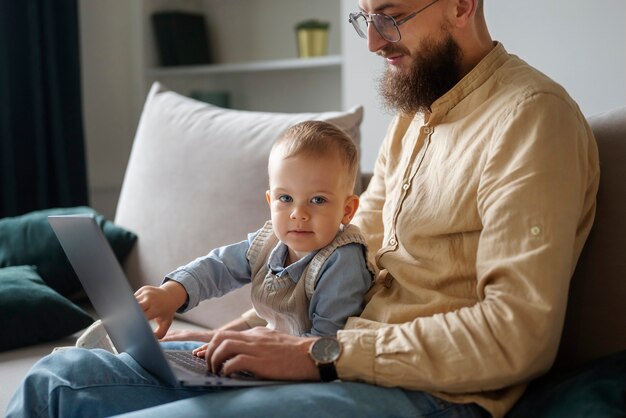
(325,352)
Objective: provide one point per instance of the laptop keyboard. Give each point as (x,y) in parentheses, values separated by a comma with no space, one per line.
(188,361)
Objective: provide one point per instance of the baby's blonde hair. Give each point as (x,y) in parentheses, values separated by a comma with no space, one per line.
(319,139)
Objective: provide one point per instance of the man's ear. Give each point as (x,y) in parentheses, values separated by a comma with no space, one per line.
(464,11)
(267,197)
(349,209)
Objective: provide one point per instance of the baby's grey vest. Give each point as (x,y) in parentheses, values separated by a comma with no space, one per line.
(278,300)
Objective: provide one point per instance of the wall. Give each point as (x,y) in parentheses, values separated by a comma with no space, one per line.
(579,44)
(109,105)
(115,46)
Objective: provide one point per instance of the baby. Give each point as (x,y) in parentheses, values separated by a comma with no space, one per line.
(307,266)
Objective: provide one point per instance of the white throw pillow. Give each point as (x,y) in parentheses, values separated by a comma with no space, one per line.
(196,180)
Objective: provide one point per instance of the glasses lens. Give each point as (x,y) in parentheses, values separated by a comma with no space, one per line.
(360,24)
(386,26)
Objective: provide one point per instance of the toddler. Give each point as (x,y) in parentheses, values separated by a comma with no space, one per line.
(307,265)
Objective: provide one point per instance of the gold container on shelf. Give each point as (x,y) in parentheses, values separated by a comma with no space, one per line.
(312,38)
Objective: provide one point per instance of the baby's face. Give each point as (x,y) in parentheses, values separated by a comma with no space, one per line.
(309,198)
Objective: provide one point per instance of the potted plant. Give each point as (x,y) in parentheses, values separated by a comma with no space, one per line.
(312,38)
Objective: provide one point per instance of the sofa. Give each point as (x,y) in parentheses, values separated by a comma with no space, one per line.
(196,179)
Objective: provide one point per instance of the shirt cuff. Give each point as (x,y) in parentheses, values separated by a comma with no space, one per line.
(190,285)
(358,348)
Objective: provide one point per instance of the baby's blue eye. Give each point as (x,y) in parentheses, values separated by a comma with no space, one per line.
(285,198)
(318,200)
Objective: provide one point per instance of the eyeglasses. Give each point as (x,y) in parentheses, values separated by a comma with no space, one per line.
(386,26)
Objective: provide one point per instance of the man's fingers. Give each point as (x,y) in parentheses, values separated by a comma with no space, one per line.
(220,336)
(268,354)
(242,363)
(226,350)
(200,351)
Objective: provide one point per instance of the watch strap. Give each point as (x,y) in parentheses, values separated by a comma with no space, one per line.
(328,372)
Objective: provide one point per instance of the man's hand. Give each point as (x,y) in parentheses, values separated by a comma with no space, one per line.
(161,303)
(265,353)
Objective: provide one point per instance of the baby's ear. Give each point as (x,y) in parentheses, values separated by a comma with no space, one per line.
(267,197)
(349,209)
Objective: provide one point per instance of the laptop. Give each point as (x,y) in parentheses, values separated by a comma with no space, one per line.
(113,299)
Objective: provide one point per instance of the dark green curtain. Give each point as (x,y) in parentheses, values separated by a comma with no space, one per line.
(42,152)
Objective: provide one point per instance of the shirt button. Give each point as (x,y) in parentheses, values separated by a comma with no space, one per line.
(535,230)
(427,130)
(392,241)
(405,186)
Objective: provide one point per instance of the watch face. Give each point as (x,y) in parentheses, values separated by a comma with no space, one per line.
(326,350)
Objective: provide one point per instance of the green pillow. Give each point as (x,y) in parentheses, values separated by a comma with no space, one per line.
(595,390)
(31,312)
(29,240)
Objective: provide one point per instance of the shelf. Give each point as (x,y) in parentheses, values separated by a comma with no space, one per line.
(274,65)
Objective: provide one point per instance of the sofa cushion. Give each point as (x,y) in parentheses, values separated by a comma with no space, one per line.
(31,312)
(598,287)
(196,180)
(29,240)
(595,390)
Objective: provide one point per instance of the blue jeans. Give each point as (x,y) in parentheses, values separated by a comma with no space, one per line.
(96,383)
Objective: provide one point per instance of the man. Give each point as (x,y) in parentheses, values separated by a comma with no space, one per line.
(482,197)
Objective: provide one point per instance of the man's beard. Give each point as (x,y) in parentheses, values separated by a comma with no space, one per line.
(434,71)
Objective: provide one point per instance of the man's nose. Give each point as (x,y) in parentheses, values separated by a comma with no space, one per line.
(374,40)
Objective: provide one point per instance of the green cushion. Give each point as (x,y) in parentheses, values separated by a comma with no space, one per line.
(31,312)
(597,390)
(29,240)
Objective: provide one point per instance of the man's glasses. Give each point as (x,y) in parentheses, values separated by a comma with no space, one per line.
(386,26)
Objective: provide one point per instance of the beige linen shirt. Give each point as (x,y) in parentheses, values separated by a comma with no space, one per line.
(476,214)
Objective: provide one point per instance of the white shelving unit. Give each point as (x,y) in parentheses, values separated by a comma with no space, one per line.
(253,46)
(248,67)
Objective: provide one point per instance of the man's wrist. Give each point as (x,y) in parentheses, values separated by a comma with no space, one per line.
(325,352)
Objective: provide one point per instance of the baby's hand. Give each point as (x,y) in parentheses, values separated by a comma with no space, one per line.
(161,303)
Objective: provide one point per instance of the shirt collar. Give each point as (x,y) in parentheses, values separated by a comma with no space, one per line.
(276,263)
(472,81)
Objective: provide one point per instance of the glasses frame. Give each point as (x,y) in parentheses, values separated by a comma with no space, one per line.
(370,19)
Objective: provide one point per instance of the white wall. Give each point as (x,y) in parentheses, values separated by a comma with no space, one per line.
(580,44)
(109,105)
(116,44)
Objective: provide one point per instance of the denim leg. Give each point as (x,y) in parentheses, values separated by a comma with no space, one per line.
(90,383)
(181,345)
(337,400)
(96,383)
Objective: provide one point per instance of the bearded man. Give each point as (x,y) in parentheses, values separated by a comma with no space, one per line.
(482,197)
